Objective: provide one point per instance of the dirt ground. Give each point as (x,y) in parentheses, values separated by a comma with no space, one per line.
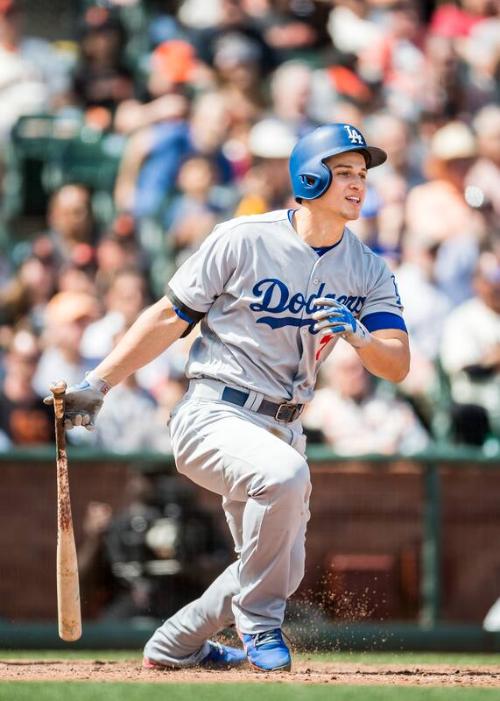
(304,672)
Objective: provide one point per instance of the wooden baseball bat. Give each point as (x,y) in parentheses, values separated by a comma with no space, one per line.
(68,588)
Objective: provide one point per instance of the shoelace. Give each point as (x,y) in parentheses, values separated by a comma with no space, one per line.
(268,636)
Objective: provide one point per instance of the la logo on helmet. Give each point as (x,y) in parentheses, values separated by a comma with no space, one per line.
(354,136)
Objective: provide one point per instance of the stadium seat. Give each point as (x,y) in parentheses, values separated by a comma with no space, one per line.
(37,141)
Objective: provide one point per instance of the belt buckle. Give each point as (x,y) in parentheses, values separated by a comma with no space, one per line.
(288,412)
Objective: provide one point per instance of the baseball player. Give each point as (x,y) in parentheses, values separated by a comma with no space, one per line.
(273,293)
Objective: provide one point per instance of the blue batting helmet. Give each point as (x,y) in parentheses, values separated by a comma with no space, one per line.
(310,176)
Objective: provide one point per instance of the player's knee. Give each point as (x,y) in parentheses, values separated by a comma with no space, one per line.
(287,484)
(294,481)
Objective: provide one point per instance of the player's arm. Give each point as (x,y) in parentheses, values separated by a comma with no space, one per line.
(384,352)
(153,332)
(387,355)
(136,151)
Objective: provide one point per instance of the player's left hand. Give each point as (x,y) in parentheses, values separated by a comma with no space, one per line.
(336,319)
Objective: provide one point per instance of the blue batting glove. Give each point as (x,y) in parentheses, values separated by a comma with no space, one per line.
(337,319)
(83,402)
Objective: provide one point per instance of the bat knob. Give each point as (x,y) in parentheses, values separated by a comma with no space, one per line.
(59,388)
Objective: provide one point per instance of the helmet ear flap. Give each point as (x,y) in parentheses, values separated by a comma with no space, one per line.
(317,182)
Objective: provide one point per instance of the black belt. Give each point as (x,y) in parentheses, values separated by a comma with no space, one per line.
(281,412)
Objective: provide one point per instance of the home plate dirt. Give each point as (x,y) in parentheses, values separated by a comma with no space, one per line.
(304,672)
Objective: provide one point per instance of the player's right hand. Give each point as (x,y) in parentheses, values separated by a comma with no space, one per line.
(82,403)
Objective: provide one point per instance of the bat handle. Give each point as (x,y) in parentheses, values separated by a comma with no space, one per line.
(58,391)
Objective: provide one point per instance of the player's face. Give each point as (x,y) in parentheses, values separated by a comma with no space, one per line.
(347,191)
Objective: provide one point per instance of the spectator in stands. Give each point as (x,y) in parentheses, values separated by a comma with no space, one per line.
(397,60)
(66,317)
(124,299)
(153,156)
(267,185)
(236,63)
(119,249)
(484,176)
(198,207)
(395,135)
(173,71)
(232,19)
(72,228)
(152,557)
(423,300)
(354,418)
(162,24)
(382,218)
(293,31)
(351,28)
(24,298)
(291,93)
(470,354)
(101,78)
(443,77)
(31,74)
(24,419)
(168,392)
(458,19)
(75,278)
(426,310)
(472,28)
(132,422)
(458,234)
(482,54)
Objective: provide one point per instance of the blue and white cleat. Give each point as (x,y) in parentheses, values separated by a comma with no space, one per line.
(219,657)
(267,651)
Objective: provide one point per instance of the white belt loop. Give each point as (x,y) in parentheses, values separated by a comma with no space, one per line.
(206,388)
(254,401)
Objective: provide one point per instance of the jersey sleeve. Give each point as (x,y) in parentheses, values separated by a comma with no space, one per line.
(202,277)
(382,308)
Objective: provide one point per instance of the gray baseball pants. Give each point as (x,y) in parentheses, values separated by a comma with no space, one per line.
(257,465)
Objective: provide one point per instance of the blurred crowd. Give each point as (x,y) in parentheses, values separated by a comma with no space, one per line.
(123,145)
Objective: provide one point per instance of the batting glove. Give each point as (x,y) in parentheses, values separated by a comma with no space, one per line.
(83,402)
(338,320)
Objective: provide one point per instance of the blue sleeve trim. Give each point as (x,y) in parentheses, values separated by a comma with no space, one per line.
(183,311)
(182,315)
(383,320)
(192,316)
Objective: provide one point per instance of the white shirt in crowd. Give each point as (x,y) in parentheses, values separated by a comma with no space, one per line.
(470,333)
(373,425)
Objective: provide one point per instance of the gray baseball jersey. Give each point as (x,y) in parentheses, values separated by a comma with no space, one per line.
(252,284)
